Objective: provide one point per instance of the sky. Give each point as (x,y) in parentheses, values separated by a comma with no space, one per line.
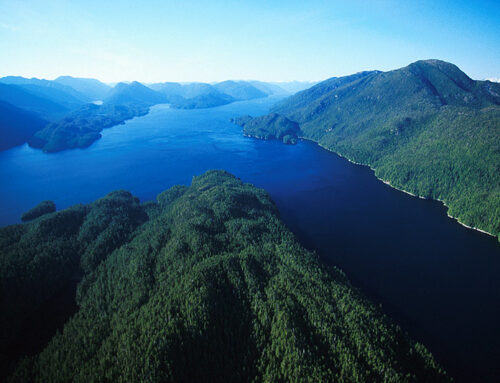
(267,40)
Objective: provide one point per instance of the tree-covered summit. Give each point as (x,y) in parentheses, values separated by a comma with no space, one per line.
(207,284)
(426,128)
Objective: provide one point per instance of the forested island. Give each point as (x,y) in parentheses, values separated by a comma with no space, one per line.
(205,284)
(427,129)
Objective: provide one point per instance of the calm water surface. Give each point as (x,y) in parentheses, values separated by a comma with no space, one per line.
(437,279)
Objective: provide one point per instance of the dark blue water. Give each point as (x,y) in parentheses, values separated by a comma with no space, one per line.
(437,279)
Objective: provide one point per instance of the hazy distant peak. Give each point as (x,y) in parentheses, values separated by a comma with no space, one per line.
(294,86)
(19,80)
(91,87)
(15,80)
(136,83)
(62,78)
(239,90)
(134,92)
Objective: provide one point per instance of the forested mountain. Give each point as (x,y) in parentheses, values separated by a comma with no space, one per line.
(202,95)
(427,128)
(134,93)
(269,88)
(24,99)
(69,100)
(206,285)
(81,127)
(196,89)
(28,105)
(44,87)
(173,91)
(203,101)
(239,90)
(92,88)
(293,87)
(192,95)
(17,125)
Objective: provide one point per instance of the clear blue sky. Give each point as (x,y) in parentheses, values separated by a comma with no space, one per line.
(263,40)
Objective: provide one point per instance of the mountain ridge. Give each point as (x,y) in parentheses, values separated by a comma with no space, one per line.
(94,89)
(427,129)
(136,93)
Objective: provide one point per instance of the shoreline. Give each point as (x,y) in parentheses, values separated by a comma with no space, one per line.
(387,183)
(401,190)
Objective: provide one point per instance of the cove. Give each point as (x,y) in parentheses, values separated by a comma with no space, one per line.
(434,277)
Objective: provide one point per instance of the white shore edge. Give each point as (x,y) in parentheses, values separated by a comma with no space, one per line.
(404,191)
(385,182)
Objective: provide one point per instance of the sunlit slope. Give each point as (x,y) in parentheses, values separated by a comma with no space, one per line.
(427,128)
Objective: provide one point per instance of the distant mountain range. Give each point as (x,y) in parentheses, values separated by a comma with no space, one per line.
(190,96)
(426,128)
(203,95)
(68,112)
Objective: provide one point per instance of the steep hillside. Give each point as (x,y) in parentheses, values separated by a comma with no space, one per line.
(203,101)
(92,88)
(239,90)
(134,93)
(270,88)
(293,87)
(69,100)
(80,128)
(427,128)
(192,96)
(205,285)
(17,126)
(173,91)
(49,89)
(24,99)
(201,95)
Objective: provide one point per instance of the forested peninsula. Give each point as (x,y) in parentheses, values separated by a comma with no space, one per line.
(427,129)
(205,284)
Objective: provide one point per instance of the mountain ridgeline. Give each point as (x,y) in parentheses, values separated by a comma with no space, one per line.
(206,284)
(91,88)
(427,129)
(202,95)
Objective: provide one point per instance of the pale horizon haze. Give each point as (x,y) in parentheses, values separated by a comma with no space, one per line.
(210,41)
